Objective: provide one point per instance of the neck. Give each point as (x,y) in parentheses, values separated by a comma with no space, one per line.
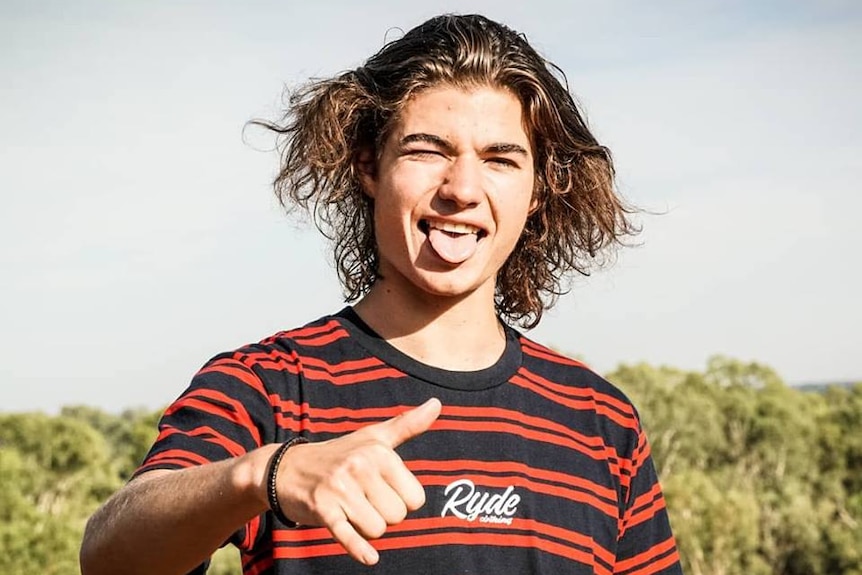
(459,334)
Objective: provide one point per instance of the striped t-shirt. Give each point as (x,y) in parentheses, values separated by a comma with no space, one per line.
(535,465)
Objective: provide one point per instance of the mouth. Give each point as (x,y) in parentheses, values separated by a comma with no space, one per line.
(451,229)
(453,242)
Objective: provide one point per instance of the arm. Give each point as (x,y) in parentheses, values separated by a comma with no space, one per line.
(171,521)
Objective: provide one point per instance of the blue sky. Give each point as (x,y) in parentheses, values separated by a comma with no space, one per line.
(139,235)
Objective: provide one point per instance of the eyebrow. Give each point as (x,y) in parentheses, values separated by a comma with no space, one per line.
(449,147)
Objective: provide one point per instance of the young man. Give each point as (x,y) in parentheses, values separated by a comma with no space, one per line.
(415,432)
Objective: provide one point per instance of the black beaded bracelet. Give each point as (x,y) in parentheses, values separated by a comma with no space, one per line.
(271,475)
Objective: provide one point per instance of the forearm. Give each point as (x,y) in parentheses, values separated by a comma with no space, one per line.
(170,522)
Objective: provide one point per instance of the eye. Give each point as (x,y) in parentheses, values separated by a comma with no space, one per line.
(502,161)
(422,153)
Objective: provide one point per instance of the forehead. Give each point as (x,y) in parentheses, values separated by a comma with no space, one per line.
(475,114)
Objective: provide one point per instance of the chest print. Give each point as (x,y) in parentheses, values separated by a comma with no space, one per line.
(466,501)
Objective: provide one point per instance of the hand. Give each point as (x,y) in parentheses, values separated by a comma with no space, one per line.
(356,485)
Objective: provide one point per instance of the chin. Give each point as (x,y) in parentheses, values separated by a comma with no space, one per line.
(450,284)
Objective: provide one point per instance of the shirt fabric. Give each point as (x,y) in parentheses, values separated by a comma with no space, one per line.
(535,465)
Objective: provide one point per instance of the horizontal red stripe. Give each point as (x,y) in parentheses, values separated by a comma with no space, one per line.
(350,365)
(532,348)
(365,416)
(277,357)
(352,378)
(322,340)
(658,565)
(201,399)
(646,514)
(490,413)
(469,465)
(598,454)
(359,371)
(280,364)
(182,454)
(578,399)
(633,507)
(313,330)
(212,436)
(168,463)
(229,445)
(238,371)
(343,373)
(452,538)
(344,379)
(646,498)
(591,393)
(648,555)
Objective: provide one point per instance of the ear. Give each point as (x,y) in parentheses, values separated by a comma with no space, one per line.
(365,165)
(535,201)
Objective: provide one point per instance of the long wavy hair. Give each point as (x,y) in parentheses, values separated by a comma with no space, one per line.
(330,122)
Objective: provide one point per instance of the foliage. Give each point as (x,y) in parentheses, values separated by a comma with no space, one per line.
(56,471)
(760,478)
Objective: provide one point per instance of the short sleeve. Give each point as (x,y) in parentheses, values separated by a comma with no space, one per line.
(225,412)
(646,545)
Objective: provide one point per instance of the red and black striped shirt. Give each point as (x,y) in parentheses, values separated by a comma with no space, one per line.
(536,464)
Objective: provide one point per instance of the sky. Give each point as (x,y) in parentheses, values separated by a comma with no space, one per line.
(139,235)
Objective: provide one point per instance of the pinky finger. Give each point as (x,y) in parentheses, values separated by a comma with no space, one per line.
(353,542)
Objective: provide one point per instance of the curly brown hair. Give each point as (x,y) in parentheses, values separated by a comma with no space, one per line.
(330,122)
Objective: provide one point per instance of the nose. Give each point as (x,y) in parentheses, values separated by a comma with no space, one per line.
(462,182)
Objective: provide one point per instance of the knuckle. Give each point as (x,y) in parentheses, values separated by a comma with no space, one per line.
(365,460)
(375,528)
(335,482)
(321,504)
(356,463)
(415,499)
(397,514)
(328,518)
(315,509)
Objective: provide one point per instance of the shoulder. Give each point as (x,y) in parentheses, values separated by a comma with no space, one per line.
(288,346)
(317,333)
(548,371)
(322,348)
(280,352)
(547,361)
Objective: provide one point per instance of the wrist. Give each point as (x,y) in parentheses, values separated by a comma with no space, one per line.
(272,480)
(249,475)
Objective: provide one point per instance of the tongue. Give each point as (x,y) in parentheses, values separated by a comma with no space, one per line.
(453,248)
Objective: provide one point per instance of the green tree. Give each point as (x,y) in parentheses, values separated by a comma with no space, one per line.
(58,470)
(759,477)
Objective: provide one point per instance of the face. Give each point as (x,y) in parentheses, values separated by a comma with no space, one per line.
(452,190)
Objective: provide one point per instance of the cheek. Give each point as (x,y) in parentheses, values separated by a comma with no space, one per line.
(515,226)
(404,196)
(392,223)
(519,209)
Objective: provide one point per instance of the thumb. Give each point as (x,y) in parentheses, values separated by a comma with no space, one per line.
(395,431)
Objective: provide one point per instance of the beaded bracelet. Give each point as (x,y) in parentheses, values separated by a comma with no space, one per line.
(271,475)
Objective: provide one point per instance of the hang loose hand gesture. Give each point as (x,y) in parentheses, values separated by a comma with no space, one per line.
(355,485)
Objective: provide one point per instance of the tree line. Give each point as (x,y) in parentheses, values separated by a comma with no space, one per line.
(760,478)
